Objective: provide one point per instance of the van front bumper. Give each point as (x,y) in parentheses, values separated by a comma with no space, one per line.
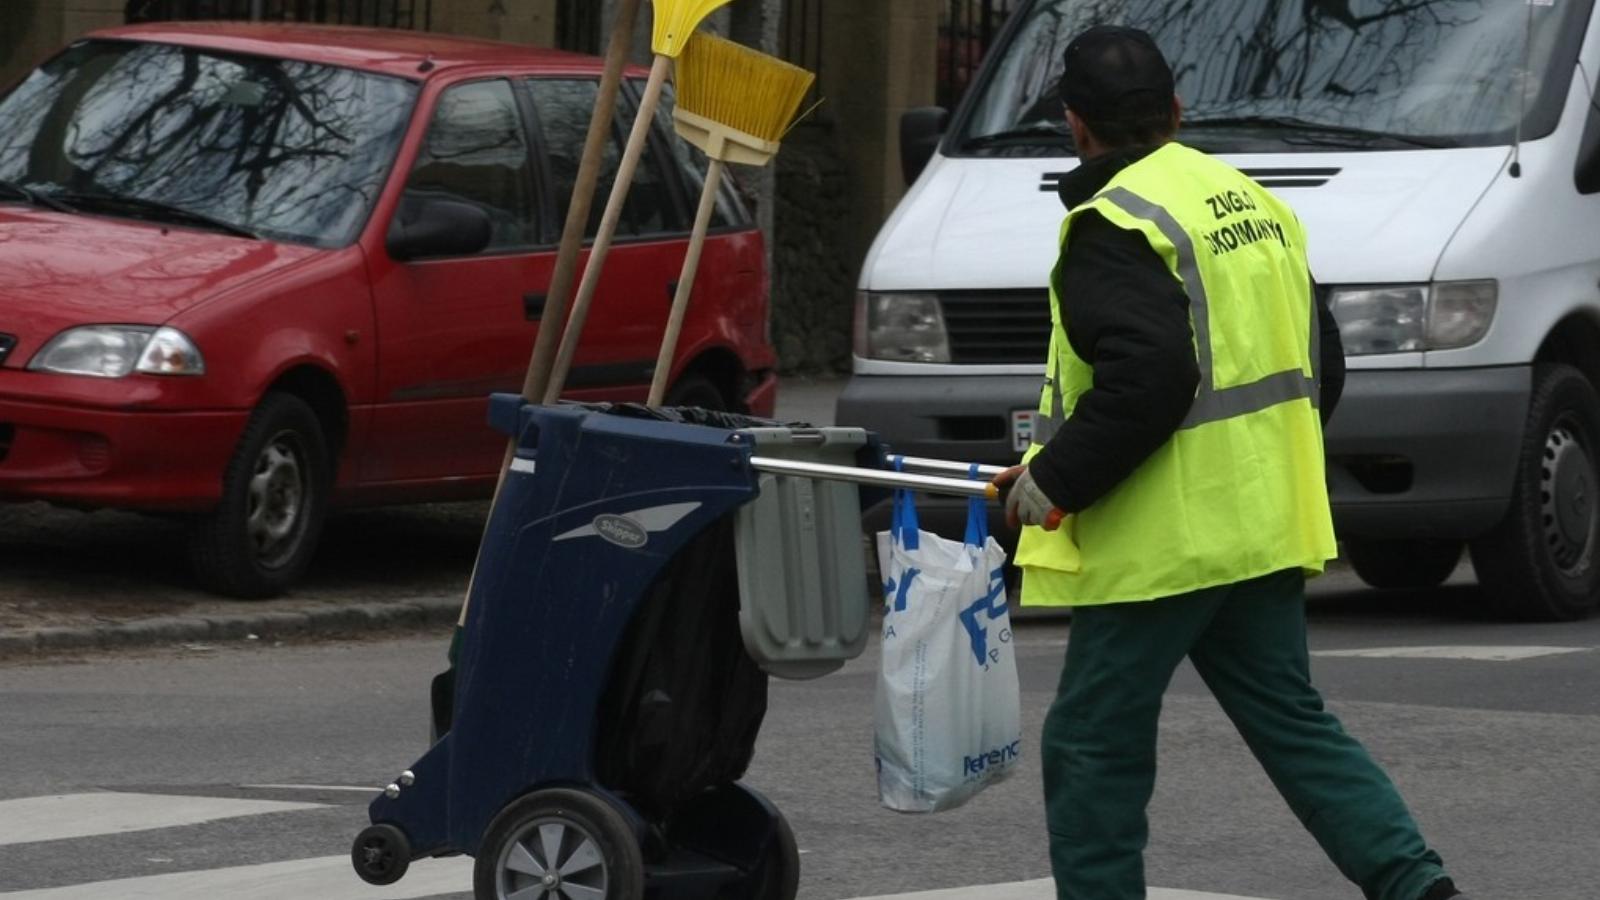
(1426,453)
(1412,453)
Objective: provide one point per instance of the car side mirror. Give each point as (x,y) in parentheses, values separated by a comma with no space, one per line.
(920,131)
(1588,172)
(429,227)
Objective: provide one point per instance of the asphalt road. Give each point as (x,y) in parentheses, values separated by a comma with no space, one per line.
(1496,756)
(211,772)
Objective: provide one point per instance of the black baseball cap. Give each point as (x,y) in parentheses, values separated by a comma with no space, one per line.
(1109,65)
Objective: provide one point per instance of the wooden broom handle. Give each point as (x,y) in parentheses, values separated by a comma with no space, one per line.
(691,268)
(583,188)
(608,227)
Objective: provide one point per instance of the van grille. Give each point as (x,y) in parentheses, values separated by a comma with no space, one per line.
(997,327)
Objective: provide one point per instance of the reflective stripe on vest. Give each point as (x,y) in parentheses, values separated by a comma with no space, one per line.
(1210,404)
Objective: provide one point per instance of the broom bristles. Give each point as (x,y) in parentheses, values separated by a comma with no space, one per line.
(741,88)
(675,22)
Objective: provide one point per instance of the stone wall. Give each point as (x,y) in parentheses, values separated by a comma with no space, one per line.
(814,274)
(31,30)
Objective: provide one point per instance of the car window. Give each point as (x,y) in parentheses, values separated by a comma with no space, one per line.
(292,151)
(476,151)
(692,166)
(564,108)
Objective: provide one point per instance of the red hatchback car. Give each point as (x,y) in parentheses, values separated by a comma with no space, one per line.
(248,273)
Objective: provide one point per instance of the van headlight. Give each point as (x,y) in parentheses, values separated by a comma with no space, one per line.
(901,327)
(1410,318)
(113,351)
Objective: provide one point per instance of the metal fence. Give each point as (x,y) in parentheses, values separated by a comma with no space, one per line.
(967,29)
(800,40)
(409,14)
(578,25)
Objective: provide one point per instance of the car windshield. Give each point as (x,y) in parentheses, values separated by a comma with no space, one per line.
(1290,75)
(287,150)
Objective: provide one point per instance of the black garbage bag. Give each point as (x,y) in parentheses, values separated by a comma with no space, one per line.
(685,701)
(691,415)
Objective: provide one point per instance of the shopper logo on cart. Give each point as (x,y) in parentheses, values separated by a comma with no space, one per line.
(622,531)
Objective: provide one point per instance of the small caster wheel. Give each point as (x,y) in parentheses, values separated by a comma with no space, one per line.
(559,844)
(381,854)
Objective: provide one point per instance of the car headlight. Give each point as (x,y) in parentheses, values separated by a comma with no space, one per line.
(1414,317)
(901,328)
(113,351)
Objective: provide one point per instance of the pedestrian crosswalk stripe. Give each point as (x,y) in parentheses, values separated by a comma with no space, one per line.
(86,815)
(1044,889)
(1471,653)
(324,878)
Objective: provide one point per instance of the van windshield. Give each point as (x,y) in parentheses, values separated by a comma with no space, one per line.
(287,150)
(1285,75)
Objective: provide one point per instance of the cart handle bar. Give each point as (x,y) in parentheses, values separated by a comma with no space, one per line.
(945,466)
(932,484)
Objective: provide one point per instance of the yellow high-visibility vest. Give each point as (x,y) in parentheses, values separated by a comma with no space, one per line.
(1239,491)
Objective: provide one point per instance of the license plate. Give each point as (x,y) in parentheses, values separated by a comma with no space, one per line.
(1022,425)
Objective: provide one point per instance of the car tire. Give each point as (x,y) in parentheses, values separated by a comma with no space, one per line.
(591,843)
(1542,561)
(1414,565)
(697,391)
(261,537)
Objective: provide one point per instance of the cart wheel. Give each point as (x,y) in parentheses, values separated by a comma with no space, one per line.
(381,854)
(559,845)
(777,877)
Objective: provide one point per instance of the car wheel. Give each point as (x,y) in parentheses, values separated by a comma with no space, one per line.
(261,537)
(1403,565)
(697,391)
(559,844)
(1539,562)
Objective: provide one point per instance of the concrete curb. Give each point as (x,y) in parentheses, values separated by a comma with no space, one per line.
(361,618)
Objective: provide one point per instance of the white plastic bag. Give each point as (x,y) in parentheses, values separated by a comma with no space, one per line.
(949,717)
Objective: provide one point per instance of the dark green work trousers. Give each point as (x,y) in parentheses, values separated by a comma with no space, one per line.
(1248,642)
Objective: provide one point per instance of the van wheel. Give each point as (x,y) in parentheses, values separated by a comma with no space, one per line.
(1539,562)
(1404,565)
(261,537)
(697,391)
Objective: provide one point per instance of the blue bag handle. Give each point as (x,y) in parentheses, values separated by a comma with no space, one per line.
(905,526)
(977,516)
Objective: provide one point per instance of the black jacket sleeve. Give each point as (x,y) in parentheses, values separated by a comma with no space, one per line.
(1128,317)
(1332,360)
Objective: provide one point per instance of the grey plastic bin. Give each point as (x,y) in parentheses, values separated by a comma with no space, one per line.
(804,604)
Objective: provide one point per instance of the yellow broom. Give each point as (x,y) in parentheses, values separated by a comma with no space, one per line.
(675,22)
(736,104)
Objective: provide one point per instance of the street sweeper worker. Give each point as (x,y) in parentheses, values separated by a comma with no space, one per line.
(1180,432)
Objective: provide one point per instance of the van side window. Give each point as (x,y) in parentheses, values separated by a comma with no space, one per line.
(476,151)
(564,107)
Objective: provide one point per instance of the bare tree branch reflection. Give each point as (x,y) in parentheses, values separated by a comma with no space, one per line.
(1419,67)
(283,148)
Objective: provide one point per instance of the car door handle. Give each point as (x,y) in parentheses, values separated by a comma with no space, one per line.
(533,306)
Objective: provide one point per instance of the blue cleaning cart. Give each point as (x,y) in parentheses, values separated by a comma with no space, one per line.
(639,581)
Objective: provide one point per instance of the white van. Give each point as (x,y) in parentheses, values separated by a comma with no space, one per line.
(1444,156)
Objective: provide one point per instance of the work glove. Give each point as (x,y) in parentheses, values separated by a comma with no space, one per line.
(1026,503)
